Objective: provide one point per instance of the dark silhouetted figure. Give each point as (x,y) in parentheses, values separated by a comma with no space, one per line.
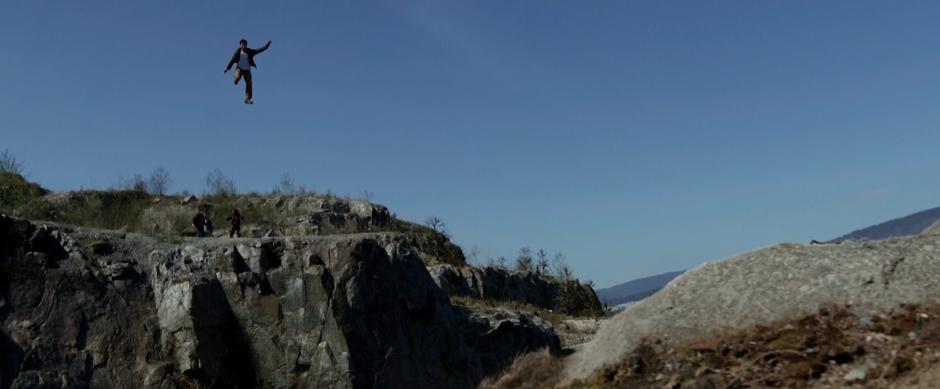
(209,228)
(244,57)
(199,222)
(236,219)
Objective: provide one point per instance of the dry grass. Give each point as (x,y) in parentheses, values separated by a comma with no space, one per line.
(815,350)
(899,350)
(533,370)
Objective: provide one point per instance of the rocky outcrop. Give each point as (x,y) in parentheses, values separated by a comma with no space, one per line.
(526,287)
(498,332)
(576,331)
(103,309)
(322,215)
(275,215)
(303,215)
(265,216)
(67,321)
(343,311)
(434,246)
(776,283)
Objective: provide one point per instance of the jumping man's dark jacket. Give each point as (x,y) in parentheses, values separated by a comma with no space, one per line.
(251,55)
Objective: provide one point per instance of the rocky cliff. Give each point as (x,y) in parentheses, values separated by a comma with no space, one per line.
(106,309)
(771,284)
(566,296)
(265,216)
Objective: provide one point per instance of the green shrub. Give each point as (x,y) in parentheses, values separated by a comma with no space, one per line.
(431,242)
(9,163)
(576,299)
(168,219)
(107,209)
(20,197)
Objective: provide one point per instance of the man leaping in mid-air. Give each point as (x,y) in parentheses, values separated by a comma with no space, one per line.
(245,58)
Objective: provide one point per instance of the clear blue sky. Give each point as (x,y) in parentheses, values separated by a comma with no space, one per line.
(636,137)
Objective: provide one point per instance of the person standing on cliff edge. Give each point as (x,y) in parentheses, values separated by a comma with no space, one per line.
(244,57)
(236,219)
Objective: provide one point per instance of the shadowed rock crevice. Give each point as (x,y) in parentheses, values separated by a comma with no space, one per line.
(414,339)
(238,264)
(222,348)
(47,241)
(270,257)
(326,279)
(11,362)
(889,268)
(14,238)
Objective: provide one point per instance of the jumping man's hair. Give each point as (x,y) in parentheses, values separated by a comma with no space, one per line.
(243,42)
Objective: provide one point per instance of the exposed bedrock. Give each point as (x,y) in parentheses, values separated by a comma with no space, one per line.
(104,309)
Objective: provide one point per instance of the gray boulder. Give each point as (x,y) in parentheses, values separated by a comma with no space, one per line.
(188,200)
(770,284)
(501,335)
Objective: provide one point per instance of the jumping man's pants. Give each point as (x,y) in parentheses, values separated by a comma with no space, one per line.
(246,74)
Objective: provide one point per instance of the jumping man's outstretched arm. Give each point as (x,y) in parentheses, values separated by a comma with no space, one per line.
(263,48)
(231,62)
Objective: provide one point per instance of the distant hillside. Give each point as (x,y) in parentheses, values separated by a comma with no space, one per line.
(912,224)
(637,289)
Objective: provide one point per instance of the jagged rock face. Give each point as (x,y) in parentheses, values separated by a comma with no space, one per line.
(525,287)
(771,284)
(67,322)
(334,312)
(490,283)
(332,215)
(497,331)
(101,309)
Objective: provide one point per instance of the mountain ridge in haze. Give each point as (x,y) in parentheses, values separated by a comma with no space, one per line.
(912,224)
(637,289)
